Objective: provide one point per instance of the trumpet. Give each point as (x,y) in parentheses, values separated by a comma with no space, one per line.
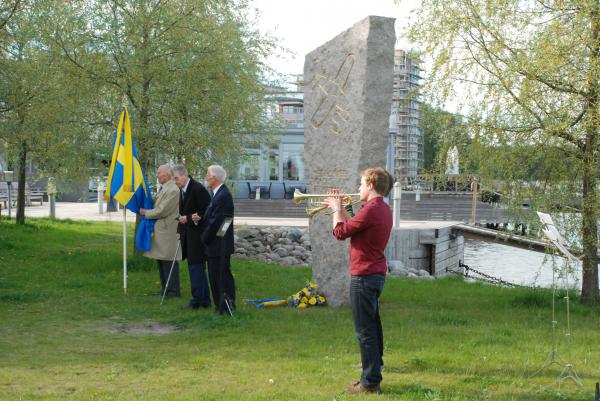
(347,199)
(313,211)
(299,196)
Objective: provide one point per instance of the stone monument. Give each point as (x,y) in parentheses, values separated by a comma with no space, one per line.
(347,104)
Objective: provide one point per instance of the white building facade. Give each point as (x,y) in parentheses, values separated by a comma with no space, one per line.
(279,166)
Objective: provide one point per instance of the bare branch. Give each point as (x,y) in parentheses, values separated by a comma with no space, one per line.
(555,85)
(11,12)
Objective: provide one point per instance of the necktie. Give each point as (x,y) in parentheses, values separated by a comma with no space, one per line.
(181,195)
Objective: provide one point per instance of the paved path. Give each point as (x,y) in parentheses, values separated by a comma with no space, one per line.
(89,211)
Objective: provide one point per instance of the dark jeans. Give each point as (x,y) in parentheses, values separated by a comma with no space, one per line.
(199,284)
(224,279)
(164,266)
(364,299)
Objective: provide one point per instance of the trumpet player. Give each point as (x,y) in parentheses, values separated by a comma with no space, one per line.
(369,231)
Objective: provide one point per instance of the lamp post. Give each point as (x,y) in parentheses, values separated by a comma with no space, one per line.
(474,185)
(101,189)
(52,196)
(396,201)
(8,176)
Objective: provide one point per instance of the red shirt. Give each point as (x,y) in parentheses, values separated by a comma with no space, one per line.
(369,232)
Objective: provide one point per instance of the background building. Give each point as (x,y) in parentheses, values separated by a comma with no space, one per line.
(406,139)
(278,166)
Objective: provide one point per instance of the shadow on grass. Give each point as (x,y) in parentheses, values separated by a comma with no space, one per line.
(136,263)
(541,298)
(13,297)
(209,320)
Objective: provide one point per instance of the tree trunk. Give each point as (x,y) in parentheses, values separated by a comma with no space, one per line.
(589,283)
(22,175)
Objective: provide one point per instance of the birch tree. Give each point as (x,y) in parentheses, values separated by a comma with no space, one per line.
(529,72)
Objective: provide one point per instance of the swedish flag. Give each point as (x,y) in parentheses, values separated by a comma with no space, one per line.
(126,182)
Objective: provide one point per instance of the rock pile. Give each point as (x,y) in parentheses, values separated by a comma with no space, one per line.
(291,246)
(281,245)
(397,268)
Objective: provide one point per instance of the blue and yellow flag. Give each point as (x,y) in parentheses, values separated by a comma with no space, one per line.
(126,182)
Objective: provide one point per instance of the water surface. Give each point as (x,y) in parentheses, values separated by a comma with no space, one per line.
(519,266)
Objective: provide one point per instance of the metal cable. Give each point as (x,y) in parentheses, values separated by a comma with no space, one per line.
(481,276)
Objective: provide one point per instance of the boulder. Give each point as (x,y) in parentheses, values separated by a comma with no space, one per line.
(246,232)
(282,252)
(289,261)
(294,234)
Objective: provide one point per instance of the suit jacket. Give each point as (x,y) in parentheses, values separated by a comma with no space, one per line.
(196,200)
(166,207)
(221,206)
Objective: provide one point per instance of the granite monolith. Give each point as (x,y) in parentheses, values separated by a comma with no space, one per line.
(347,103)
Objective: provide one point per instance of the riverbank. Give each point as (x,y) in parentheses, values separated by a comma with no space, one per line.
(69,333)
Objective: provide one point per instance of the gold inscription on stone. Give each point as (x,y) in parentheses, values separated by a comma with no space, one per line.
(332,104)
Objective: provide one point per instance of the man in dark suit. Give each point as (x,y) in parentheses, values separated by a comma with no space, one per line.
(219,249)
(193,201)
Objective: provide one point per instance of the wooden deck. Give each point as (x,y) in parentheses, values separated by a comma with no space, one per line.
(435,207)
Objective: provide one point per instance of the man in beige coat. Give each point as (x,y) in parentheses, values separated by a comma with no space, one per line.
(164,239)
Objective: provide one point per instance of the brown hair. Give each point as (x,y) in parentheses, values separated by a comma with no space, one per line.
(381,180)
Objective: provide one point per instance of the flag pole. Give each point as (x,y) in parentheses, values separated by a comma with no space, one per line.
(125,250)
(124,105)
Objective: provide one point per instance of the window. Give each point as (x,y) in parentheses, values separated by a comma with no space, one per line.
(293,161)
(289,109)
(248,169)
(273,163)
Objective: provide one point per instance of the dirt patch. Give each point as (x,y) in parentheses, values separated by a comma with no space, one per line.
(142,328)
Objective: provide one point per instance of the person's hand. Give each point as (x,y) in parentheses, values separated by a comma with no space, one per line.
(143,211)
(196,218)
(334,202)
(178,236)
(183,219)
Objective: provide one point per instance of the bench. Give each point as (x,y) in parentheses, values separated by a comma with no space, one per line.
(265,190)
(35,195)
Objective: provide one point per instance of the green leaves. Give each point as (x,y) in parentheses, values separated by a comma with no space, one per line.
(191,73)
(189,69)
(530,75)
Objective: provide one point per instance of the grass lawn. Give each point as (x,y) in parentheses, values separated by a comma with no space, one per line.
(64,321)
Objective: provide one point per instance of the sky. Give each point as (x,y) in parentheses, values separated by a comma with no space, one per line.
(304,25)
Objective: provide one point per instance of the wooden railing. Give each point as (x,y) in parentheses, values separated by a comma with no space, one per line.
(438,182)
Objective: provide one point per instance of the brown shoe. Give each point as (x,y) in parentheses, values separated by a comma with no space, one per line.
(359,388)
